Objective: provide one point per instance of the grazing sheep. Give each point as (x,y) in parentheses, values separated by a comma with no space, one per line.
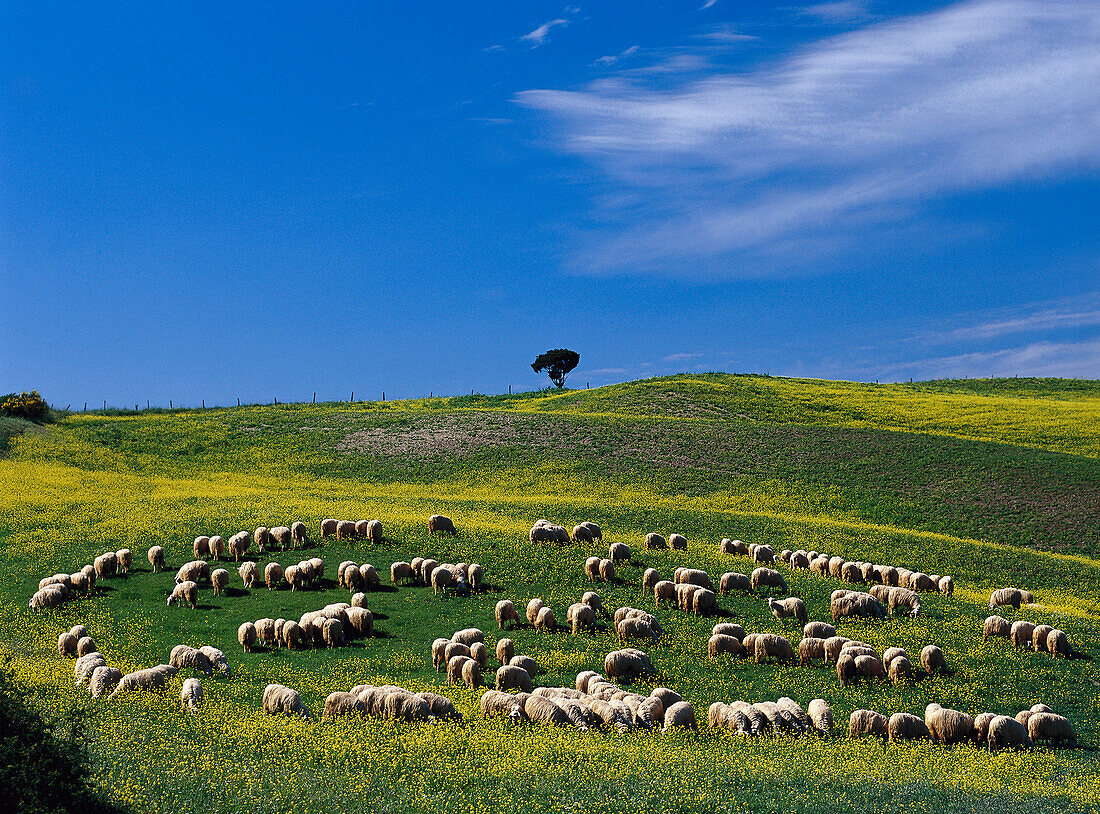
(66,645)
(725,546)
(904,600)
(1049,728)
(852,572)
(868,722)
(495,703)
(870,666)
(996,626)
(704,602)
(85,666)
(156,558)
(343,705)
(543,710)
(216,547)
(479,653)
(441,524)
(664,589)
(692,576)
(455,664)
(854,604)
(580,617)
(526,663)
(607,570)
(280,537)
(1005,732)
(732,581)
(295,577)
(328,527)
(280,700)
(360,622)
(581,534)
(811,650)
(191,694)
(219,579)
(791,608)
(1057,643)
(345,530)
(653,540)
(932,660)
(239,543)
(533,608)
(510,677)
(948,726)
(471,674)
(80,582)
(361,528)
(628,664)
(680,715)
(124,559)
(194,571)
(818,630)
(545,621)
(546,532)
(201,546)
(595,602)
(476,576)
(899,669)
(506,612)
(728,629)
(821,716)
(1008,596)
(86,645)
(981,726)
(619,551)
(374,532)
(439,653)
(149,679)
(505,650)
(184,657)
(677,541)
(637,627)
(250,574)
(439,707)
(767,578)
(298,533)
(768,645)
(468,636)
(217,660)
(1039,637)
(184,592)
(262,538)
(763,554)
(246,635)
(904,726)
(103,680)
(946,586)
(332,632)
(721,643)
(443,578)
(833,646)
(1020,633)
(592,569)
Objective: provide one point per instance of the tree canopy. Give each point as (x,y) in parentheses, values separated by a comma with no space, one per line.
(557,364)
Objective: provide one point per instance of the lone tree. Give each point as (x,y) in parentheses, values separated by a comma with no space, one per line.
(557,364)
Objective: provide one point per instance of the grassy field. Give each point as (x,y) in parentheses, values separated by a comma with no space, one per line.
(995,482)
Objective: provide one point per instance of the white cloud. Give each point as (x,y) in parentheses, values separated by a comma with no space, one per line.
(680,357)
(1065,314)
(611,59)
(838,12)
(539,35)
(1079,360)
(863,126)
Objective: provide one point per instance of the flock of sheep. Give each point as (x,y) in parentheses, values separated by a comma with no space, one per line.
(595,701)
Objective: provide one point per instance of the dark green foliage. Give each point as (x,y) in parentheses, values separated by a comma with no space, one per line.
(557,364)
(30,406)
(42,771)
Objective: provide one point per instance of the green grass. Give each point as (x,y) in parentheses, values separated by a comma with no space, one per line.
(996,485)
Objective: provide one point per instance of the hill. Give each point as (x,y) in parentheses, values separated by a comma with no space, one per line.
(995,483)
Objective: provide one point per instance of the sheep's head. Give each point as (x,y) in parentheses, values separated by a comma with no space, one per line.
(514,715)
(916,609)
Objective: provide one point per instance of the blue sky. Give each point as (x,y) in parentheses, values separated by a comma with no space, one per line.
(271,200)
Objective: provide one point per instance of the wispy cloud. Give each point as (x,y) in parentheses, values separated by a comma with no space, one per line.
(680,357)
(1065,314)
(707,5)
(611,59)
(1044,359)
(863,126)
(540,34)
(843,11)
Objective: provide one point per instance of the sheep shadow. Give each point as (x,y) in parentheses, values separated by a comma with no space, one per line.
(235,592)
(486,588)
(723,613)
(378,615)
(1077,655)
(207,607)
(386,589)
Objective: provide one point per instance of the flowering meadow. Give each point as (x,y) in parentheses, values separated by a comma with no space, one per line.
(708,457)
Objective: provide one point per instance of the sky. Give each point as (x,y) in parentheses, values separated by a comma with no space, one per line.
(254,201)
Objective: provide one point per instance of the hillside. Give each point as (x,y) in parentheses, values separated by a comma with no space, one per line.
(994,484)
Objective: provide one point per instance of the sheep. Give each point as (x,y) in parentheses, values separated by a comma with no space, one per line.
(194,571)
(475,575)
(184,657)
(946,586)
(811,650)
(184,592)
(932,659)
(728,629)
(439,707)
(868,722)
(295,577)
(791,608)
(443,578)
(217,660)
(763,554)
(663,589)
(149,679)
(1050,728)
(855,604)
(592,569)
(246,635)
(767,578)
(768,645)
(79,582)
(820,566)
(653,540)
(870,666)
(191,694)
(280,700)
(332,631)
(721,643)
(533,608)
(219,579)
(607,570)
(280,537)
(201,547)
(495,703)
(580,617)
(66,645)
(595,602)
(360,622)
(628,664)
(1005,732)
(298,533)
(546,532)
(539,709)
(343,705)
(581,534)
(1020,633)
(833,646)
(468,636)
(471,674)
(636,627)
(1057,643)
(328,527)
(821,716)
(732,581)
(103,679)
(1009,596)
(455,664)
(619,551)
(510,677)
(545,621)
(948,726)
(680,715)
(692,576)
(904,600)
(239,543)
(996,626)
(980,732)
(505,650)
(1039,637)
(904,726)
(818,630)
(345,530)
(677,541)
(898,669)
(788,706)
(262,538)
(725,546)
(86,664)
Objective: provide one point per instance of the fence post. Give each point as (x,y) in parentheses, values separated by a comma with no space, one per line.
(314,398)
(204,404)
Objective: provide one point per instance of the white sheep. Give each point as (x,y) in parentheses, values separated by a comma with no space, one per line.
(149,679)
(191,694)
(184,592)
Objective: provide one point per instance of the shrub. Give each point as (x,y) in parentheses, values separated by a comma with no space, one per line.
(30,406)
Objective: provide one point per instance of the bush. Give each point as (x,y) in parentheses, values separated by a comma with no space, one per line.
(30,406)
